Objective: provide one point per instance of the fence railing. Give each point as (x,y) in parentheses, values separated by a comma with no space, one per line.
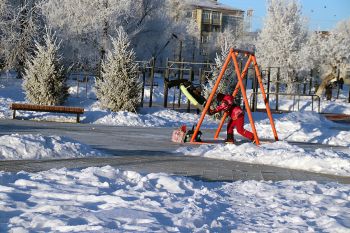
(295,97)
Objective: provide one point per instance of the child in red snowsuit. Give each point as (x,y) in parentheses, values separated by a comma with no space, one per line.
(236,114)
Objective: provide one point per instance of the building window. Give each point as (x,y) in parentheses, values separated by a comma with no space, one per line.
(206,28)
(205,39)
(194,14)
(216,28)
(216,18)
(204,52)
(206,17)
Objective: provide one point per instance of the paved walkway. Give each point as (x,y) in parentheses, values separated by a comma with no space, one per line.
(147,150)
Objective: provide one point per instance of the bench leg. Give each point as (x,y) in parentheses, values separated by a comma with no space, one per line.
(14,114)
(78,118)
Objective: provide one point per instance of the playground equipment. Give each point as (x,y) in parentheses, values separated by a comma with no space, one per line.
(190,97)
(232,56)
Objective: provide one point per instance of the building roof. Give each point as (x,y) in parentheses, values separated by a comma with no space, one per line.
(211,4)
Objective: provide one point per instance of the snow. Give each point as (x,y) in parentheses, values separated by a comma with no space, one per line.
(109,200)
(280,154)
(28,146)
(305,127)
(294,127)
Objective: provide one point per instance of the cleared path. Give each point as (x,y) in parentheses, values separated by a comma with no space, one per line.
(146,150)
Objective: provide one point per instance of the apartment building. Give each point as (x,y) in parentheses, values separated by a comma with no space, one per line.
(213,17)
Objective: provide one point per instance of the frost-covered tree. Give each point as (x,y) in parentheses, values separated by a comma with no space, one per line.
(184,27)
(334,50)
(281,41)
(18,29)
(44,80)
(85,25)
(3,17)
(119,88)
(330,53)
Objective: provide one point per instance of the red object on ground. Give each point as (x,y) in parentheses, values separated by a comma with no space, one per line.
(179,134)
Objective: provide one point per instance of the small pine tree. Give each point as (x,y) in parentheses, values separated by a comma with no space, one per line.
(119,88)
(44,81)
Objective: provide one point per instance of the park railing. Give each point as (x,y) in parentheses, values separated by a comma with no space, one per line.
(295,97)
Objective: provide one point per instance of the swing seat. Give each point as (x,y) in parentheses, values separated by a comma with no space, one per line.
(190,97)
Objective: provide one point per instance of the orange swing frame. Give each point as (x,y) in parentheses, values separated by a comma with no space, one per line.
(232,56)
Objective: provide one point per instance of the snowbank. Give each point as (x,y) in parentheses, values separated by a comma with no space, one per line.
(280,154)
(15,146)
(147,118)
(109,200)
(304,127)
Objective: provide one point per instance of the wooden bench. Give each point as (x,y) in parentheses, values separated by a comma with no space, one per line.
(46,108)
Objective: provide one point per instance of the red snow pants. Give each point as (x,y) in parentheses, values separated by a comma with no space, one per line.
(239,123)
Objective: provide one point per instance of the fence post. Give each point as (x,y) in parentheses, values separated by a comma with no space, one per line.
(191,79)
(338,83)
(245,84)
(152,80)
(254,95)
(77,86)
(165,103)
(86,85)
(200,82)
(180,77)
(268,84)
(277,85)
(310,86)
(253,81)
(143,71)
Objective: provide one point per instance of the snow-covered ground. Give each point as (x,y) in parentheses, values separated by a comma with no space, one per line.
(280,154)
(13,147)
(299,127)
(109,200)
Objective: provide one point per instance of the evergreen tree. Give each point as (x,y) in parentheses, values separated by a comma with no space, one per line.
(44,81)
(119,88)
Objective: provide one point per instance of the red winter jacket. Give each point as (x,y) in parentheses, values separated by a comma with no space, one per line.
(228,105)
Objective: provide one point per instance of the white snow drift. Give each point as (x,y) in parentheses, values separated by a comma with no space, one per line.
(30,146)
(109,200)
(280,154)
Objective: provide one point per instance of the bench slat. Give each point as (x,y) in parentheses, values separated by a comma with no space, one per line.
(46,108)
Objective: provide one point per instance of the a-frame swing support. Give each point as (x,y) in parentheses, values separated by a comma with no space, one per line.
(232,56)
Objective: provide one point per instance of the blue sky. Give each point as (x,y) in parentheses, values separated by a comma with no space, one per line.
(322,14)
